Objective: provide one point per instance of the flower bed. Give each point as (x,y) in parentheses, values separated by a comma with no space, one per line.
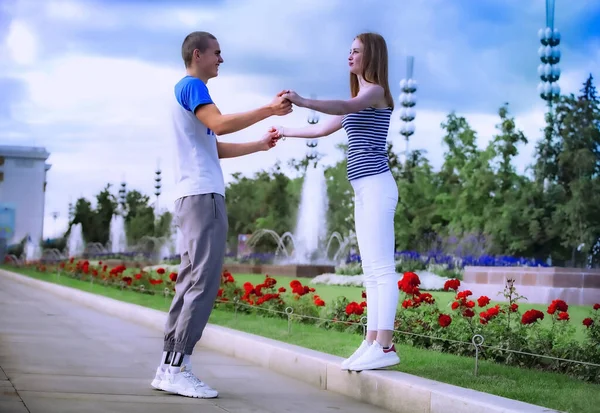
(419,320)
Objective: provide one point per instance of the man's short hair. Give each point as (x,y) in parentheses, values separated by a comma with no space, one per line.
(193,41)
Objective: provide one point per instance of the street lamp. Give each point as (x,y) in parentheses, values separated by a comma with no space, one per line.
(549,54)
(408,102)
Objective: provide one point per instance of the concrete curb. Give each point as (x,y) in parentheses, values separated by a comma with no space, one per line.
(392,390)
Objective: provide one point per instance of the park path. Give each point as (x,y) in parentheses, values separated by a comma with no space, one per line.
(60,357)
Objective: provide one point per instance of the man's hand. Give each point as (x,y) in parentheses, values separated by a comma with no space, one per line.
(269,140)
(279,105)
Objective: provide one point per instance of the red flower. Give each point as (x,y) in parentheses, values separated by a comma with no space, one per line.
(588,322)
(452,285)
(427,298)
(597,306)
(444,320)
(531,316)
(364,294)
(354,308)
(563,316)
(161,271)
(469,313)
(463,295)
(455,305)
(220,292)
(490,313)
(318,301)
(514,307)
(559,305)
(494,311)
(281,289)
(407,304)
(483,301)
(409,283)
(269,282)
(227,277)
(173,276)
(138,276)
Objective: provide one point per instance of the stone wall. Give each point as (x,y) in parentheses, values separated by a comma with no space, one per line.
(539,284)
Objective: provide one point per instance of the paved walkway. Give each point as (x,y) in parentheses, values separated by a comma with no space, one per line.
(60,357)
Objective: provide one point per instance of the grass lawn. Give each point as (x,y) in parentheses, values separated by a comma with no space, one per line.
(444,299)
(551,390)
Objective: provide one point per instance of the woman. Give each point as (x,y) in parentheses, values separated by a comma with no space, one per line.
(366,119)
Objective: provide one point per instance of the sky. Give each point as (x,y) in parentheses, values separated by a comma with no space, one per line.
(91,80)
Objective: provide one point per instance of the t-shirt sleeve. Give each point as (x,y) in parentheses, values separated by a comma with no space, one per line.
(193,94)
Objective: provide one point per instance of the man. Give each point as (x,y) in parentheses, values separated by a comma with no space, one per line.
(200,206)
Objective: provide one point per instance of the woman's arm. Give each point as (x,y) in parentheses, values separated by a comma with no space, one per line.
(316,131)
(366,98)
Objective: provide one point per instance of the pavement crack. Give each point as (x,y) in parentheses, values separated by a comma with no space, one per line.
(14,388)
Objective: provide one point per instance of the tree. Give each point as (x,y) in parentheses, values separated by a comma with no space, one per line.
(568,164)
(106,205)
(139,217)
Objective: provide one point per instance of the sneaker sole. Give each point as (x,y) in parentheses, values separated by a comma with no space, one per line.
(374,366)
(164,386)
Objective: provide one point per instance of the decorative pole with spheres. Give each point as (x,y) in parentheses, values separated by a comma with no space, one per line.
(549,53)
(122,195)
(408,102)
(312,119)
(157,184)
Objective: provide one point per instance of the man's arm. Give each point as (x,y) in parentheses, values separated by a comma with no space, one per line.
(221,124)
(211,116)
(233,150)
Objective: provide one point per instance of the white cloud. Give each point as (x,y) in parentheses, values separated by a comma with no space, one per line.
(21,43)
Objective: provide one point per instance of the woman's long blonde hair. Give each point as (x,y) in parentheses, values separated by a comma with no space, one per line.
(374,65)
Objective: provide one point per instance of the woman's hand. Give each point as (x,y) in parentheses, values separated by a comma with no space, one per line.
(295,98)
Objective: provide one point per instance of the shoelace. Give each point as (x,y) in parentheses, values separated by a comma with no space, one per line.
(195,380)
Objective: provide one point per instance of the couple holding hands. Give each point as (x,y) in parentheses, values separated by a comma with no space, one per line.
(200,198)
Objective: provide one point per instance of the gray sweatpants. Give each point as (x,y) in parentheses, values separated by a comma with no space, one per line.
(202,220)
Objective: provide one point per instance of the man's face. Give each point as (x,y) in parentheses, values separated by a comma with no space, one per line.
(209,61)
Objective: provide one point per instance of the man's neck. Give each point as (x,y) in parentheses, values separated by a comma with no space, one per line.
(196,73)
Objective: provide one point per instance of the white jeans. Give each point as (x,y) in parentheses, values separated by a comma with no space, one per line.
(375,201)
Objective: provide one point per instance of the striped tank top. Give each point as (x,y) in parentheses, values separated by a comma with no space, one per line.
(367,132)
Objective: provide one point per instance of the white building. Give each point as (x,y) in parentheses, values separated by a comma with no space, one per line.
(23,188)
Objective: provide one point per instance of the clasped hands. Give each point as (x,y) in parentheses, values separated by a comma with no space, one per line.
(280,106)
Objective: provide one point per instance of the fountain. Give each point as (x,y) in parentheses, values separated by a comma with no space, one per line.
(33,252)
(117,237)
(311,228)
(75,242)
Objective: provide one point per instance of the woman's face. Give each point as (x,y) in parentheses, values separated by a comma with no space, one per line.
(355,57)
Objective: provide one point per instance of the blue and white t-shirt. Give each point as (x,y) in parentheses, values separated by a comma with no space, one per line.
(198,169)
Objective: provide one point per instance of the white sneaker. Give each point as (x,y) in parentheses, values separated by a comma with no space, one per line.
(376,357)
(359,352)
(185,383)
(158,378)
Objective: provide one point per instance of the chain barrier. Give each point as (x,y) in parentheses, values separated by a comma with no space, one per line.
(476,341)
